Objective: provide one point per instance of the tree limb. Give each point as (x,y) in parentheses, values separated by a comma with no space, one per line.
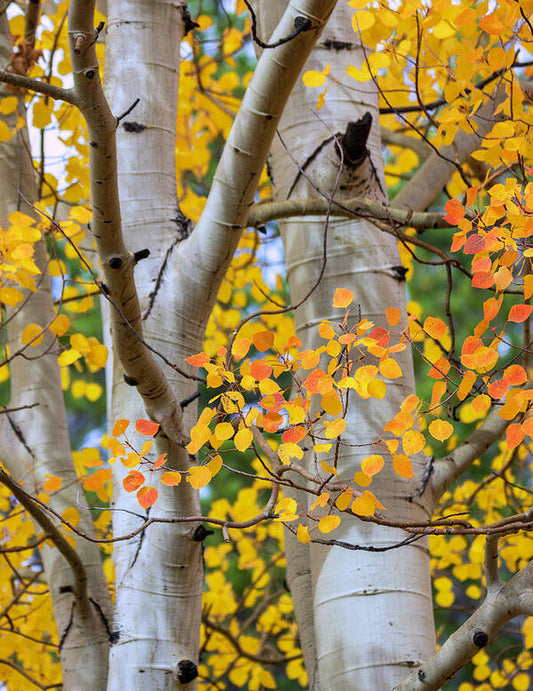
(38,86)
(446,470)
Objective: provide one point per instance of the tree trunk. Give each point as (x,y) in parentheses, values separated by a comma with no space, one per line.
(34,441)
(372,612)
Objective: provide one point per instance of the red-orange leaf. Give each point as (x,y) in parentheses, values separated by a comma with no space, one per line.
(260,369)
(147,497)
(160,461)
(498,388)
(434,327)
(455,211)
(293,435)
(514,434)
(263,340)
(519,313)
(133,480)
(515,375)
(198,360)
(146,427)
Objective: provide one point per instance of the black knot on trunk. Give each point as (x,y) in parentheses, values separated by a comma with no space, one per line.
(480,639)
(354,140)
(187,671)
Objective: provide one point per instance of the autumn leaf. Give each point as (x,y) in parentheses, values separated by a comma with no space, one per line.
(342,298)
(328,523)
(402,465)
(440,429)
(371,465)
(147,496)
(120,427)
(199,476)
(133,480)
(264,340)
(170,478)
(519,313)
(146,427)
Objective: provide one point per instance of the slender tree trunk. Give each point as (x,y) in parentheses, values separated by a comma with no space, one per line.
(34,441)
(160,571)
(372,612)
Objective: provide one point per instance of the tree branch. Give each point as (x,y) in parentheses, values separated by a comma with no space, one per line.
(501,604)
(62,544)
(446,470)
(20,80)
(357,207)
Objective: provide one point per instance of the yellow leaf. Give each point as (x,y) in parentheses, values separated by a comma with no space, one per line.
(371,465)
(440,429)
(327,468)
(328,523)
(362,479)
(286,509)
(364,505)
(343,500)
(390,369)
(302,534)
(10,296)
(5,132)
(146,447)
(60,325)
(335,428)
(363,20)
(413,442)
(8,105)
(223,431)
(243,439)
(42,113)
(199,476)
(67,357)
(32,334)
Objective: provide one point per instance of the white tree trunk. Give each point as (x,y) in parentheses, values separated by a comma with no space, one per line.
(372,611)
(161,571)
(34,441)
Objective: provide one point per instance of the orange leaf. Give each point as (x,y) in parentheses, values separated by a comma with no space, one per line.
(259,370)
(434,327)
(402,465)
(498,388)
(371,465)
(440,429)
(455,211)
(146,427)
(263,340)
(342,298)
(440,368)
(120,427)
(147,496)
(160,461)
(272,422)
(514,435)
(491,24)
(198,360)
(170,478)
(52,483)
(393,316)
(240,348)
(293,435)
(466,385)
(519,313)
(515,375)
(133,480)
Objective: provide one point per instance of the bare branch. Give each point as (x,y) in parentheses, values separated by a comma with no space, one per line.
(446,470)
(20,80)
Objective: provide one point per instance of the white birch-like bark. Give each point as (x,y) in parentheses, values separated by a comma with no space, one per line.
(159,574)
(177,286)
(34,441)
(372,611)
